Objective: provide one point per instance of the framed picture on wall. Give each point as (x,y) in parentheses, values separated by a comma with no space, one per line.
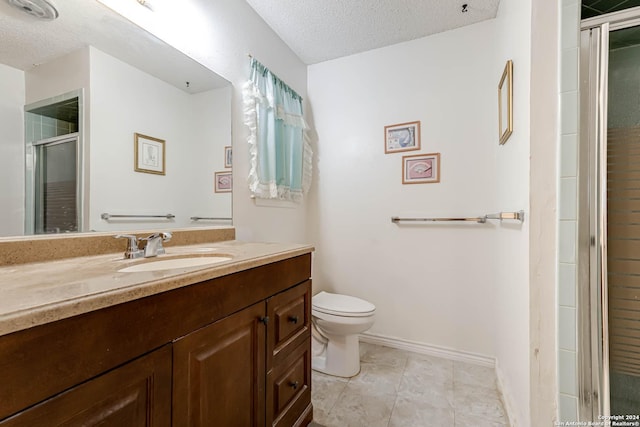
(228,154)
(402,137)
(223,182)
(421,168)
(149,154)
(505,103)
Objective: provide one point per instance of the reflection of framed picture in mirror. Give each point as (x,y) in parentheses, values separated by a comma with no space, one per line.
(148,154)
(505,103)
(228,153)
(402,137)
(223,182)
(421,168)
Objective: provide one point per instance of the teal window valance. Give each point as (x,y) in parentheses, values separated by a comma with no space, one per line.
(280,152)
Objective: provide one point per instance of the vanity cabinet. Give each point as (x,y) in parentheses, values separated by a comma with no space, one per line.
(230,351)
(213,385)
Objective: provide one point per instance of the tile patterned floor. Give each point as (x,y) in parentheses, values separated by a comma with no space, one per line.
(397,388)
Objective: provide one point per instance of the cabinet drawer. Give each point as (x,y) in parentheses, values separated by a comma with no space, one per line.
(290,312)
(289,388)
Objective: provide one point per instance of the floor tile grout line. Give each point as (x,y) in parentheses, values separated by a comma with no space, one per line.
(344,388)
(395,400)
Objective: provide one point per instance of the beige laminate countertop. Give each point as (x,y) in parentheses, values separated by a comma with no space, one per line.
(38,293)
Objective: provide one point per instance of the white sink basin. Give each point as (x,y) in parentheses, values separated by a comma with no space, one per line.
(173,263)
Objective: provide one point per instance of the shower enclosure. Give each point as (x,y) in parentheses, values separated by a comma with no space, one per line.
(54,165)
(609,216)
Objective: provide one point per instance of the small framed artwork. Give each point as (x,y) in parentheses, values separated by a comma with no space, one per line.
(421,168)
(149,154)
(223,182)
(402,137)
(505,103)
(228,154)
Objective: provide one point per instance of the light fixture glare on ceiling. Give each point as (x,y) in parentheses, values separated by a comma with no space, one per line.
(41,9)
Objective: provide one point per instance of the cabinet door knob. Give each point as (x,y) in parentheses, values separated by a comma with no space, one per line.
(293,319)
(264,319)
(294,384)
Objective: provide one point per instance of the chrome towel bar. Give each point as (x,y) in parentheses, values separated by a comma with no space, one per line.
(107,216)
(517,216)
(208,218)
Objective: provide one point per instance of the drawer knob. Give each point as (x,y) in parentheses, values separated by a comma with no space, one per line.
(294,384)
(264,319)
(293,319)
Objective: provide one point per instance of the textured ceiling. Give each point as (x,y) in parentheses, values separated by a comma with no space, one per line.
(26,42)
(321,30)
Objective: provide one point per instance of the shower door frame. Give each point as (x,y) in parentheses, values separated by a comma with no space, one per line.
(35,193)
(593,327)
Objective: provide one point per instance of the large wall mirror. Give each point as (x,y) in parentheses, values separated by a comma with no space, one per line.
(103,127)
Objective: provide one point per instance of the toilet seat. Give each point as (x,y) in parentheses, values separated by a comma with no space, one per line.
(341,305)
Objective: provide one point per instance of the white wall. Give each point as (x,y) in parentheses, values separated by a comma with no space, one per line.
(124,101)
(212,115)
(512,252)
(12,88)
(432,284)
(62,75)
(463,287)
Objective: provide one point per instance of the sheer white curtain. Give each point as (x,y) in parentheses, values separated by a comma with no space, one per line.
(280,153)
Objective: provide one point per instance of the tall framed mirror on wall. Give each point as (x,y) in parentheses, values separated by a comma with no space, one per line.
(124,82)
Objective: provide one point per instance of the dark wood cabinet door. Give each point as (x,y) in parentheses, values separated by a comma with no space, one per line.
(219,373)
(135,394)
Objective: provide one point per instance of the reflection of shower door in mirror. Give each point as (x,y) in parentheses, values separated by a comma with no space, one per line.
(609,217)
(56,185)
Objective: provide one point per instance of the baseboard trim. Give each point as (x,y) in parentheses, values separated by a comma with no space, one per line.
(432,350)
(505,395)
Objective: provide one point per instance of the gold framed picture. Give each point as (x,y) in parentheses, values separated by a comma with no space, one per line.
(402,137)
(505,103)
(149,154)
(421,168)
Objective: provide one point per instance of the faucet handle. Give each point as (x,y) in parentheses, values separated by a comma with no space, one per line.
(132,246)
(164,235)
(154,243)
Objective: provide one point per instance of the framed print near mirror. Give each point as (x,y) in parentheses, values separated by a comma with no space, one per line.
(505,103)
(149,154)
(223,182)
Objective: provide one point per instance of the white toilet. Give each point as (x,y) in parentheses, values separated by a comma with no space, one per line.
(337,320)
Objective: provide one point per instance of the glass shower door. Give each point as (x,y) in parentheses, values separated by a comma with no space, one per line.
(609,217)
(56,189)
(623,220)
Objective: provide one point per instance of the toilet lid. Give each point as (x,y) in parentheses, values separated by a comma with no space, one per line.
(341,304)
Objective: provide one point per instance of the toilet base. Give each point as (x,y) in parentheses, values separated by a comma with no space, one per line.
(340,358)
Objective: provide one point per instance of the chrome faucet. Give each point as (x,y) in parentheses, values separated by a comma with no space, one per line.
(154,244)
(152,248)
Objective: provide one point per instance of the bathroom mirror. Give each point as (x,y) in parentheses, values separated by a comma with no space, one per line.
(124,82)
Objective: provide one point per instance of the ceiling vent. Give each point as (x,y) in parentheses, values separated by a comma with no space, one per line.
(41,9)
